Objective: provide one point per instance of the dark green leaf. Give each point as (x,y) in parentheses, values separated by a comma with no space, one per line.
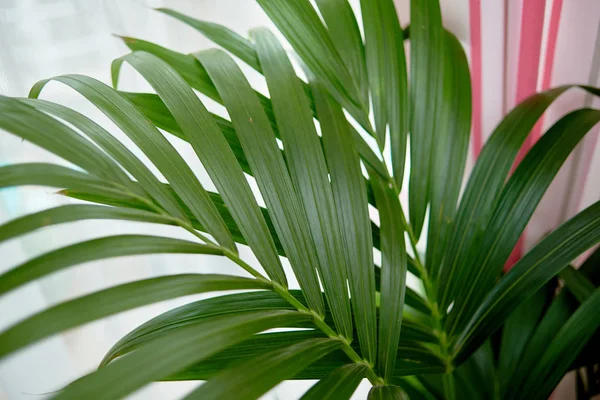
(253,378)
(190,69)
(517,331)
(224,37)
(167,355)
(451,145)
(412,357)
(302,27)
(259,144)
(54,136)
(350,197)
(426,57)
(515,206)
(345,35)
(158,149)
(117,150)
(41,174)
(563,350)
(393,275)
(555,317)
(76,212)
(577,283)
(308,172)
(387,393)
(536,268)
(97,249)
(339,385)
(156,111)
(215,154)
(484,186)
(110,301)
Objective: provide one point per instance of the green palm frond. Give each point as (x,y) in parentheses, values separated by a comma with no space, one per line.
(465,330)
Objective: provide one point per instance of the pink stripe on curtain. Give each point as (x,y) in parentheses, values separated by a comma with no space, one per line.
(532,26)
(476,81)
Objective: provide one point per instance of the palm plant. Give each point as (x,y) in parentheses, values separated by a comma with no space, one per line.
(468,331)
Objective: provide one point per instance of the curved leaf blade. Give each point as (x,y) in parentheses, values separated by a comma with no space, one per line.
(224,37)
(515,206)
(117,151)
(76,212)
(426,52)
(563,350)
(484,186)
(347,40)
(273,179)
(54,136)
(158,149)
(300,24)
(393,275)
(97,249)
(110,301)
(387,393)
(308,172)
(349,192)
(255,377)
(215,154)
(450,151)
(172,353)
(536,268)
(339,385)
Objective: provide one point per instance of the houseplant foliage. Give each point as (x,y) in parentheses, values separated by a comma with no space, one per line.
(471,332)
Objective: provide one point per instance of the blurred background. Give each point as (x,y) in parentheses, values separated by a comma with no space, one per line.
(515,47)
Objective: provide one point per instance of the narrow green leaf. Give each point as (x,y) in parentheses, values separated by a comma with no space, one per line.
(393,275)
(190,69)
(412,358)
(426,57)
(386,65)
(517,332)
(300,24)
(157,112)
(339,385)
(451,145)
(76,212)
(97,249)
(259,144)
(349,191)
(42,174)
(591,267)
(224,37)
(185,64)
(158,149)
(484,186)
(557,314)
(563,350)
(346,38)
(118,151)
(255,377)
(577,283)
(308,171)
(536,268)
(376,60)
(215,154)
(167,355)
(194,312)
(387,393)
(154,108)
(515,206)
(396,88)
(110,301)
(54,136)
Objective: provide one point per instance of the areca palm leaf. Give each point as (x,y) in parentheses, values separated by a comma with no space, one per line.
(443,323)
